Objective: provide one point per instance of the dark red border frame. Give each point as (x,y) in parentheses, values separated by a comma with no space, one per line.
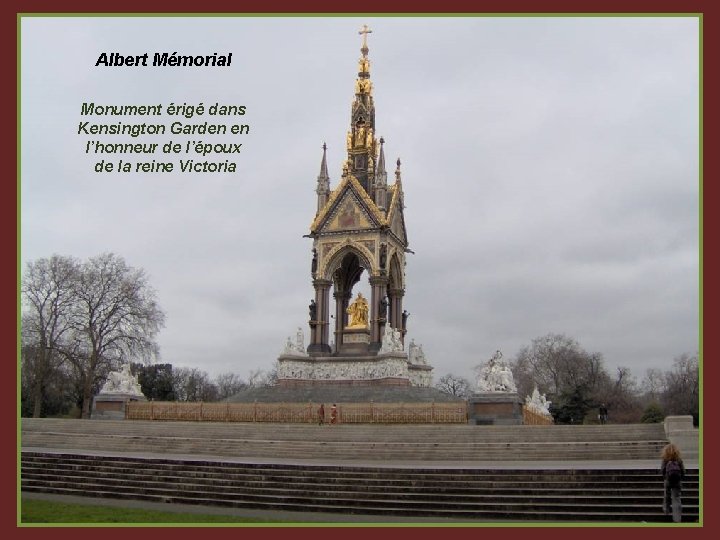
(8,232)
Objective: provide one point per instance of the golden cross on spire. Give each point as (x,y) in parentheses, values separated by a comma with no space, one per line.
(364,31)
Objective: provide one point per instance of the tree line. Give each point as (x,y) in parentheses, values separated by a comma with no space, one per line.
(82,320)
(577,382)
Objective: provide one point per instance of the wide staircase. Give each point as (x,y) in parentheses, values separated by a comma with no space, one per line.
(351,441)
(473,473)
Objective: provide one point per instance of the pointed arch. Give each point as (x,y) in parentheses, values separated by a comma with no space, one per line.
(334,260)
(396,274)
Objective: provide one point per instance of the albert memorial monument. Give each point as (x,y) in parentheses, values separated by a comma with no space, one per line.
(358,232)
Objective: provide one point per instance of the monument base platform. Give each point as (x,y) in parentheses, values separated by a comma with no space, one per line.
(342,392)
(495,408)
(388,381)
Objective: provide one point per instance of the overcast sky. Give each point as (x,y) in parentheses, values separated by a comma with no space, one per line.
(550,169)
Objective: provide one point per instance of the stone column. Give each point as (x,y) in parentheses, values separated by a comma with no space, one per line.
(319,329)
(378,291)
(395,320)
(342,300)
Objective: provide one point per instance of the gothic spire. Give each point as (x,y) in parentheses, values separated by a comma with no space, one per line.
(361,143)
(323,182)
(323,165)
(381,179)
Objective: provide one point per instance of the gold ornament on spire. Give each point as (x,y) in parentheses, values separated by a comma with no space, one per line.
(363,84)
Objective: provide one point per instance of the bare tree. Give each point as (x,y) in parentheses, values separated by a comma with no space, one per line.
(48,293)
(228,384)
(191,384)
(257,378)
(653,384)
(556,362)
(563,369)
(454,385)
(682,394)
(620,395)
(115,317)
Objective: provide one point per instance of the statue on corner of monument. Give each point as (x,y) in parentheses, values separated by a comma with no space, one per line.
(358,312)
(391,340)
(313,266)
(313,310)
(495,375)
(382,308)
(538,403)
(300,340)
(405,316)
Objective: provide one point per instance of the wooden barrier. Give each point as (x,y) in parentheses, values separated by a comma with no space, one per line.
(532,418)
(348,413)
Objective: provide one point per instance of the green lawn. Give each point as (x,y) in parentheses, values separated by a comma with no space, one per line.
(37,511)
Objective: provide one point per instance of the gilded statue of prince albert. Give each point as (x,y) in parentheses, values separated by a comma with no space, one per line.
(358,312)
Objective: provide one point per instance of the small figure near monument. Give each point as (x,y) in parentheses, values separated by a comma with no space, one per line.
(333,414)
(321,414)
(603,414)
(358,312)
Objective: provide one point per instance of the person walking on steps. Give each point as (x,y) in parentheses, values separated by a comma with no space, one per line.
(321,414)
(673,472)
(333,414)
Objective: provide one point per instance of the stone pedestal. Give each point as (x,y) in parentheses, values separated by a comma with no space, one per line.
(681,432)
(112,406)
(355,341)
(495,408)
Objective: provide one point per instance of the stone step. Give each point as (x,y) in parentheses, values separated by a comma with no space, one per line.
(352,432)
(536,493)
(607,480)
(562,513)
(214,469)
(552,495)
(338,449)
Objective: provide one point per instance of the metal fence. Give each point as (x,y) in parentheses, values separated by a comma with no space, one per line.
(347,413)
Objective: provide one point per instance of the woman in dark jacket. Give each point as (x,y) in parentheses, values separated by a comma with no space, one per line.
(673,471)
